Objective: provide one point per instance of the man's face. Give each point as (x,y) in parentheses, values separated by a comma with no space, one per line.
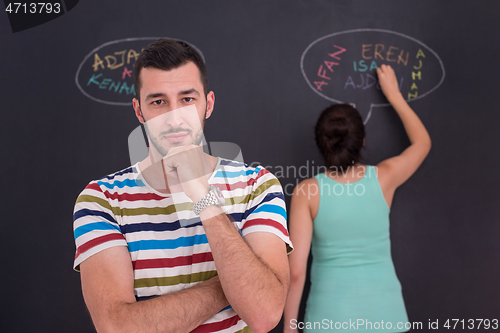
(162,94)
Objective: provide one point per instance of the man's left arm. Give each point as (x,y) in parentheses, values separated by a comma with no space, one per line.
(253,270)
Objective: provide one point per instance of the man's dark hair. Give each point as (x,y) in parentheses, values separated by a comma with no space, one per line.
(340,135)
(167,54)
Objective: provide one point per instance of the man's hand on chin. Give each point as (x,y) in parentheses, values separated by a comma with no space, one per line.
(187,169)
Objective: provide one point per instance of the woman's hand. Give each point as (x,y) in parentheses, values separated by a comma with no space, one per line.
(388,82)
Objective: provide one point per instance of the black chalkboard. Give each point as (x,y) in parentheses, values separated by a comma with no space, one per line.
(273,65)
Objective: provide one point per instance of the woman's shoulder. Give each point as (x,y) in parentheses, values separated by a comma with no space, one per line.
(309,181)
(306,196)
(384,171)
(305,187)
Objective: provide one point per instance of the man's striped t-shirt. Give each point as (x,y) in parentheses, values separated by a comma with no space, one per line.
(166,240)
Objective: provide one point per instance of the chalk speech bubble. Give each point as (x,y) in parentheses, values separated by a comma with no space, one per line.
(341,67)
(106,74)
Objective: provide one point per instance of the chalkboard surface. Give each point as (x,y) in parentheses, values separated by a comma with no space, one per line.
(274,66)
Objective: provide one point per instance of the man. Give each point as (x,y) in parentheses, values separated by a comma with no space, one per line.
(183,240)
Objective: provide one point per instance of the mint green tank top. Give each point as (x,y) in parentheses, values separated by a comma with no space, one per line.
(352,274)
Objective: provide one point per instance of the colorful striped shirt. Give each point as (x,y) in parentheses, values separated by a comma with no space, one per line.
(166,240)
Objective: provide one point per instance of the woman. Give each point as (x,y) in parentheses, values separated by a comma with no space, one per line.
(344,214)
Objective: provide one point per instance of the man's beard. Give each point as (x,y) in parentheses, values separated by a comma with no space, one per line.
(156,139)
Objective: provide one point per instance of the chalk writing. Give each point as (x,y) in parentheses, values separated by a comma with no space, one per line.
(363,67)
(366,81)
(329,65)
(112,61)
(106,74)
(413,93)
(126,72)
(341,67)
(114,86)
(378,52)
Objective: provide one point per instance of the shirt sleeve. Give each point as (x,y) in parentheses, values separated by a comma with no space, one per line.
(266,210)
(94,225)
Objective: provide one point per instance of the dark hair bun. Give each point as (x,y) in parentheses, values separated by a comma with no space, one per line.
(340,135)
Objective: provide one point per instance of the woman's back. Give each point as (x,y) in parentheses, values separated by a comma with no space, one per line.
(352,274)
(352,223)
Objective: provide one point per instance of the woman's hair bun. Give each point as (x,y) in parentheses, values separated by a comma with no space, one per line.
(340,135)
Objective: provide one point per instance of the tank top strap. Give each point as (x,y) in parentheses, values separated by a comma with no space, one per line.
(370,180)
